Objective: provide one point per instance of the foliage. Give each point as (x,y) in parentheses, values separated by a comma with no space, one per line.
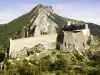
(66,63)
(13,29)
(2,49)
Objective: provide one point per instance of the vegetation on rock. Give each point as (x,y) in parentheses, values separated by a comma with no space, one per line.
(87,62)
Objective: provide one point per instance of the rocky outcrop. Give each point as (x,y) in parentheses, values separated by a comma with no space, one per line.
(19,54)
(41,24)
(44,21)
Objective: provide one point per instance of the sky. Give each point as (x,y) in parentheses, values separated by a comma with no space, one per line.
(85,10)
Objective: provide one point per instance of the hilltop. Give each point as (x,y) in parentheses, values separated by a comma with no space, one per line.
(41,20)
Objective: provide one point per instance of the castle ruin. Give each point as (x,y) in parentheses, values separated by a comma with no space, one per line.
(74,38)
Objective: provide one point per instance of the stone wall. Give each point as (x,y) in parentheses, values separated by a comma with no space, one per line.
(19,44)
(69,40)
(73,39)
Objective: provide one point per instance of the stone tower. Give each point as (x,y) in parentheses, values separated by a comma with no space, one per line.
(86,26)
(86,31)
(69,23)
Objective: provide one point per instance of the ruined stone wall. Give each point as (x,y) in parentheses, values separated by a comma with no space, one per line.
(73,41)
(19,44)
(86,31)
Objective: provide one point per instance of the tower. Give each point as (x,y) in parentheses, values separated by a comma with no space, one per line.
(69,23)
(86,26)
(86,31)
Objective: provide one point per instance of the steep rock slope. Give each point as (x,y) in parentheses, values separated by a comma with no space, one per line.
(40,23)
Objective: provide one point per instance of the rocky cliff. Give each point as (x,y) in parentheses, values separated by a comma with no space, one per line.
(41,20)
(41,24)
(44,21)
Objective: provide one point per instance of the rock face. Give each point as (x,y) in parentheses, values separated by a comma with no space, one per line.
(18,54)
(44,21)
(40,23)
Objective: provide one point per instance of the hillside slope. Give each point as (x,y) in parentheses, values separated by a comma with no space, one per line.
(41,20)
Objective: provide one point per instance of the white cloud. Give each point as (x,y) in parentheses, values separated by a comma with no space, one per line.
(78,12)
(6,17)
(9,14)
(62,9)
(67,10)
(60,6)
